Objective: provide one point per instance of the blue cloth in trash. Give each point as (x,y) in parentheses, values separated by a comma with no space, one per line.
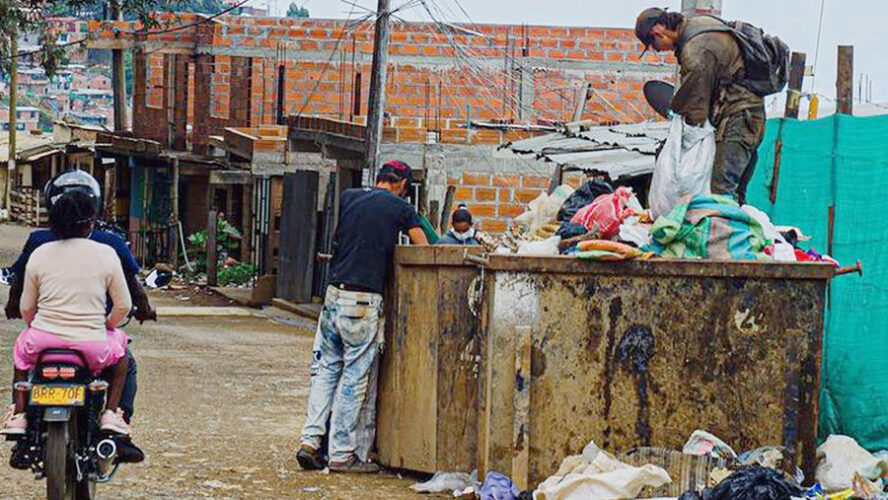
(498,487)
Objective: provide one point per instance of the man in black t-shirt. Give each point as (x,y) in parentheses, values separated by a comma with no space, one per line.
(348,340)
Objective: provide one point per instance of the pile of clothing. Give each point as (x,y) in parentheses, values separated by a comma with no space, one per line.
(600,222)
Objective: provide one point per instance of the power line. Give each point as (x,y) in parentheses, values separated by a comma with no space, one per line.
(817,47)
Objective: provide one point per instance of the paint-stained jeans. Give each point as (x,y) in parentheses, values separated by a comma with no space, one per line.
(737,140)
(343,374)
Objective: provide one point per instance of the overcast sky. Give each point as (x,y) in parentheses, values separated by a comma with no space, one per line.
(853,22)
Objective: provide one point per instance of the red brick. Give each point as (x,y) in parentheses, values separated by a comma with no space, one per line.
(526,195)
(463,194)
(534,181)
(483,210)
(494,226)
(485,194)
(507,180)
(475,179)
(509,210)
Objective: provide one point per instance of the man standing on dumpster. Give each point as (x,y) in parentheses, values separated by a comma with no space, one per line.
(349,335)
(711,64)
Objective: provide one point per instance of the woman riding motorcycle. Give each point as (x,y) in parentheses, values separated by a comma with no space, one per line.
(66,283)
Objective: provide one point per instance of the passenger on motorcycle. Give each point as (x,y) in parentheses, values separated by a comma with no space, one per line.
(63,303)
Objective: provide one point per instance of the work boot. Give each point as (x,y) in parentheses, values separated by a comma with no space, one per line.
(310,458)
(127,452)
(355,466)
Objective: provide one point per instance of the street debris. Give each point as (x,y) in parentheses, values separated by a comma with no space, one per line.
(455,482)
(840,458)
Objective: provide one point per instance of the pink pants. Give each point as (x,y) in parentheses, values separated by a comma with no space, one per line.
(99,354)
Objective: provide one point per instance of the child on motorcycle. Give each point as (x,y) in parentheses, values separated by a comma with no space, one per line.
(63,303)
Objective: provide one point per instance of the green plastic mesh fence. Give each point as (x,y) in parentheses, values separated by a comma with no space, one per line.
(840,161)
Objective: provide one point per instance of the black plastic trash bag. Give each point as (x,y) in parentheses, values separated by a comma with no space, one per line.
(753,483)
(583,196)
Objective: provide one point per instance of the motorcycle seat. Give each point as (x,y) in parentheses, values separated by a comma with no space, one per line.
(62,356)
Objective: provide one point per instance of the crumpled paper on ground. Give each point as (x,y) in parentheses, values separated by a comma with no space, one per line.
(597,475)
(839,458)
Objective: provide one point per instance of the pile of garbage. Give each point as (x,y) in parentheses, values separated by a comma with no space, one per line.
(600,222)
(844,471)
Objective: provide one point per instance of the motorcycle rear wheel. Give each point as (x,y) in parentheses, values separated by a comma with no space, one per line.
(55,464)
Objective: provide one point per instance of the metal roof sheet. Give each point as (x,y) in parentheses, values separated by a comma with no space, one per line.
(620,150)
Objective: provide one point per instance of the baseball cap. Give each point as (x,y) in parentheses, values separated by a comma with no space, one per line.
(398,168)
(645,23)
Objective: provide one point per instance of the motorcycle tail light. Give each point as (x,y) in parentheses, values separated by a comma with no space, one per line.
(67,372)
(50,372)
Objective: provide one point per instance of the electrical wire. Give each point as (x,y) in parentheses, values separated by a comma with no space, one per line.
(817,46)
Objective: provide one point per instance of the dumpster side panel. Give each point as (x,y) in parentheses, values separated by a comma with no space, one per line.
(407,409)
(633,361)
(458,365)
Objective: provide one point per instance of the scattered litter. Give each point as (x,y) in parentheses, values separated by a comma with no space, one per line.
(498,487)
(839,458)
(753,483)
(543,209)
(310,489)
(219,485)
(602,478)
(446,482)
(704,443)
(546,247)
(585,195)
(607,212)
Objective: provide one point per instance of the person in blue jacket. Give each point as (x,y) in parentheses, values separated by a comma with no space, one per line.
(80,180)
(461,231)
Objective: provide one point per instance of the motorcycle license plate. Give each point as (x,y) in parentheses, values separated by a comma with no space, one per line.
(58,395)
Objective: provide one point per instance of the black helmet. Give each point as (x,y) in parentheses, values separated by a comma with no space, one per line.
(70,181)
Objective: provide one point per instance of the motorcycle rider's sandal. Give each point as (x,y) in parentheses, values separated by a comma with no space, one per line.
(112,421)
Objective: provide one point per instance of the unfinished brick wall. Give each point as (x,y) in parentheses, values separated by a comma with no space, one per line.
(519,74)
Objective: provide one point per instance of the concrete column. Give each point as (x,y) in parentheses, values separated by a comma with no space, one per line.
(701,7)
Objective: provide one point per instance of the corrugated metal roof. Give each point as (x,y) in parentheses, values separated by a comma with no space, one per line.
(25,143)
(620,150)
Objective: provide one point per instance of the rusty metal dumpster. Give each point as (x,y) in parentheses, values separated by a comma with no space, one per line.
(510,363)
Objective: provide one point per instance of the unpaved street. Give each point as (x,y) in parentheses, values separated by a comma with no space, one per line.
(219,408)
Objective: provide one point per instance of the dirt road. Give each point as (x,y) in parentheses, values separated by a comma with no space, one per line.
(219,408)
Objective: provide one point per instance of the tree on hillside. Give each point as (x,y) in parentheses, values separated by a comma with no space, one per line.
(296,11)
(18,16)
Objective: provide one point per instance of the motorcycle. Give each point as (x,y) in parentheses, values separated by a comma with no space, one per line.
(63,443)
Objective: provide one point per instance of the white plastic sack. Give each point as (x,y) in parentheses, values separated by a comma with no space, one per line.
(839,458)
(546,247)
(605,478)
(684,167)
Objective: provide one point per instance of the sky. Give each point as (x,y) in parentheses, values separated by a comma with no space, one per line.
(845,22)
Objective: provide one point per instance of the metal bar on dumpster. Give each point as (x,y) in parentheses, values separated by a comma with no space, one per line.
(778,153)
(476,259)
(857,268)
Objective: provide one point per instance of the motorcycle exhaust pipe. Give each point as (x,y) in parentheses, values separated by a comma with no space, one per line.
(106,449)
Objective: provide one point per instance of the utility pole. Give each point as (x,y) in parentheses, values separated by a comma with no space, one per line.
(13,98)
(701,7)
(845,81)
(794,92)
(118,74)
(378,74)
